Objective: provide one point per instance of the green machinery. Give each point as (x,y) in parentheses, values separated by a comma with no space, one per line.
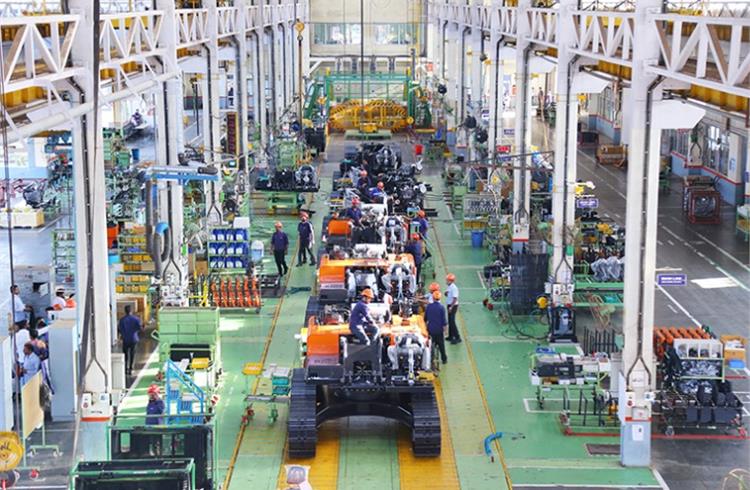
(168,443)
(144,474)
(192,334)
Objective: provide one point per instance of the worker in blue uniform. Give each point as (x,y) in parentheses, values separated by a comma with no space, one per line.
(377,194)
(434,317)
(361,323)
(354,212)
(423,227)
(414,247)
(155,406)
(306,240)
(279,246)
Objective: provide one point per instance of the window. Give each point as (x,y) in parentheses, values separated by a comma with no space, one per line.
(717,149)
(400,34)
(327,33)
(680,141)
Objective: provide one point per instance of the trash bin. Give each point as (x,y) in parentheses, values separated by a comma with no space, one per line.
(477,239)
(136,152)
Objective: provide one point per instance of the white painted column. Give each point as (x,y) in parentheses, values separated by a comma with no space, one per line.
(522,179)
(259,77)
(452,75)
(637,356)
(170,143)
(213,81)
(92,278)
(564,177)
(241,78)
(91,220)
(475,82)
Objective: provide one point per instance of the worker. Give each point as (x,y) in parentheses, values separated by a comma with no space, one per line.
(424,225)
(434,317)
(21,311)
(38,345)
(306,240)
(354,212)
(279,246)
(363,182)
(21,337)
(421,220)
(155,406)
(414,247)
(430,297)
(361,323)
(30,364)
(377,194)
(451,301)
(137,118)
(129,328)
(58,302)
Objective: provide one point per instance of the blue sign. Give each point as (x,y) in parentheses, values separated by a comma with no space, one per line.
(587,203)
(671,279)
(509,131)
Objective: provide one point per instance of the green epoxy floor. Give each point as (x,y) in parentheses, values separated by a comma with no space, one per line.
(368,454)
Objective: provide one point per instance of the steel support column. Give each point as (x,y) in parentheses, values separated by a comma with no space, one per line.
(170,143)
(241,85)
(259,101)
(522,178)
(640,256)
(212,112)
(93,289)
(564,177)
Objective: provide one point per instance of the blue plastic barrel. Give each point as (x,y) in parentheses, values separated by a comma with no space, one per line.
(477,239)
(136,152)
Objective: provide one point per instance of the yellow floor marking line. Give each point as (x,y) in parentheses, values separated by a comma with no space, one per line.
(436,473)
(324,468)
(488,413)
(274,320)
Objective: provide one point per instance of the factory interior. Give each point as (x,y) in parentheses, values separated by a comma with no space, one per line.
(347,244)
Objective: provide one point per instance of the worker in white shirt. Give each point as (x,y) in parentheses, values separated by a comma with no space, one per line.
(20,310)
(451,303)
(59,301)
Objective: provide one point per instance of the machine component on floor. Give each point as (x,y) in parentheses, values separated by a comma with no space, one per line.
(387,378)
(615,155)
(562,324)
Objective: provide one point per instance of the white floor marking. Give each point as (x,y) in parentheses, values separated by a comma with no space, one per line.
(659,242)
(704,257)
(715,282)
(727,254)
(481,279)
(678,305)
(659,478)
(671,242)
(669,305)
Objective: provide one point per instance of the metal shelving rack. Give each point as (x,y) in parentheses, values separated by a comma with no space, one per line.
(64,257)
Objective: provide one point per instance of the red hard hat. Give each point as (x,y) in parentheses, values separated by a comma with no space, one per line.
(415,236)
(154,389)
(421,213)
(367,293)
(434,287)
(450,277)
